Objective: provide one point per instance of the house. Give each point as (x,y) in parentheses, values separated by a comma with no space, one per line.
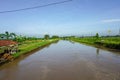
(8,46)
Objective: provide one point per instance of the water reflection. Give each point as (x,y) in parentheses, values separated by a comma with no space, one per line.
(97,51)
(22,57)
(64,61)
(72,42)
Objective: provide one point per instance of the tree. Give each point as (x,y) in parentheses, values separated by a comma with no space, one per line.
(8,35)
(20,38)
(2,36)
(13,35)
(97,35)
(46,36)
(55,36)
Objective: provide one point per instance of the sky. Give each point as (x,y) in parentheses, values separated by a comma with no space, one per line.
(77,17)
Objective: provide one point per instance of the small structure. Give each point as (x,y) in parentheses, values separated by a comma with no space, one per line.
(7,47)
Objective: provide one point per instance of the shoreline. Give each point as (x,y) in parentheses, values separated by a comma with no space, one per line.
(97,45)
(40,45)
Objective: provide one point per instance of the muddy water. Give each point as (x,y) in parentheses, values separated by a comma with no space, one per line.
(64,61)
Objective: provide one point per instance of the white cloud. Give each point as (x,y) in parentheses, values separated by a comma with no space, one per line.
(111,20)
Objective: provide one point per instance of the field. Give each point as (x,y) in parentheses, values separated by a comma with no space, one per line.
(108,42)
(31,45)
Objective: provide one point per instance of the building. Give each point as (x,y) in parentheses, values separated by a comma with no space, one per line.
(8,46)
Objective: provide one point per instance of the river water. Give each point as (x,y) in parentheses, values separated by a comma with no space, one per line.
(64,61)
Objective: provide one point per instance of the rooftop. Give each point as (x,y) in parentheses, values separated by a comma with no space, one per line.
(7,42)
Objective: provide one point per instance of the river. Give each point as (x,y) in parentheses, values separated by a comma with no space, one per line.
(64,60)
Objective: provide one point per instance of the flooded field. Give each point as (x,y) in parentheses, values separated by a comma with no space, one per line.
(64,61)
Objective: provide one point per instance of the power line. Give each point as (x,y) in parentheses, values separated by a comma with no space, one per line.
(23,9)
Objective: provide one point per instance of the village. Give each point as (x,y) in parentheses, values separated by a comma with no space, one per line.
(7,47)
(12,45)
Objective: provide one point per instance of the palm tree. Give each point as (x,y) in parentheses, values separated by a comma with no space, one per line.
(10,35)
(2,36)
(7,35)
(13,35)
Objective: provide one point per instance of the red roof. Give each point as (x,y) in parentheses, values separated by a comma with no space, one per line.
(7,42)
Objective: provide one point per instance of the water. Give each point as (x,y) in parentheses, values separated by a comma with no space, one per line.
(64,61)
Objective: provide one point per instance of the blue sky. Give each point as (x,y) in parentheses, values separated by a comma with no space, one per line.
(78,17)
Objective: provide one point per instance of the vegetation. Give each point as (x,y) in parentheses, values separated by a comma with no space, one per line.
(27,44)
(7,35)
(31,45)
(46,36)
(108,42)
(97,36)
(55,37)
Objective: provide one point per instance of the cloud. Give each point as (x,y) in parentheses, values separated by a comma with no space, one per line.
(111,20)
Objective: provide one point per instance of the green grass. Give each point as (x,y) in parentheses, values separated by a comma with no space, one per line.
(31,45)
(108,42)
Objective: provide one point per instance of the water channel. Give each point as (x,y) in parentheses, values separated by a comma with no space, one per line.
(64,60)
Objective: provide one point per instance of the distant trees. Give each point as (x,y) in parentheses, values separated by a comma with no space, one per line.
(19,38)
(46,36)
(97,36)
(54,37)
(13,35)
(7,35)
(2,36)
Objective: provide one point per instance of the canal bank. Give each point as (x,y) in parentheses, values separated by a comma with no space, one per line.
(108,44)
(29,47)
(64,61)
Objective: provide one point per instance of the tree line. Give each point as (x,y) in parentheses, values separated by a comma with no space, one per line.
(19,38)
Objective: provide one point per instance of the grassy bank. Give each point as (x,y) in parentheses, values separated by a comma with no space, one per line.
(107,42)
(31,45)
